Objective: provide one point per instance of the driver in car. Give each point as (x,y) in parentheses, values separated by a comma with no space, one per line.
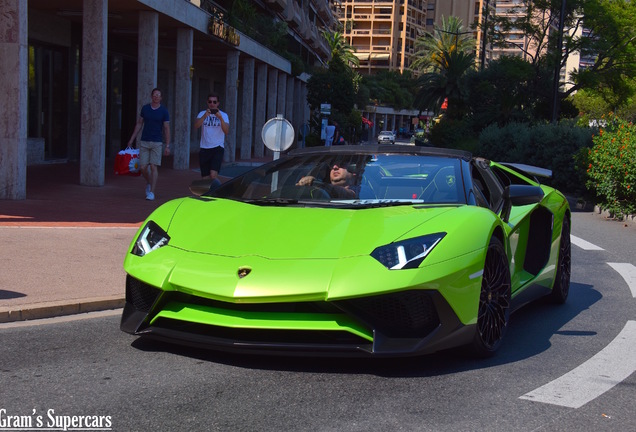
(341,182)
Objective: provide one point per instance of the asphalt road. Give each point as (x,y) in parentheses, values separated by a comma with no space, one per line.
(553,357)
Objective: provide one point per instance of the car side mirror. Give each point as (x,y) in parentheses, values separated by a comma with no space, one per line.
(518,195)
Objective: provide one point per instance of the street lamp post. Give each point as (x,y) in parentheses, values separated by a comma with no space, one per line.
(484,33)
(557,66)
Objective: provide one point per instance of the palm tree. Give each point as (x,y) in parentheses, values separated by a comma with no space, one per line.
(429,47)
(445,84)
(443,58)
(340,47)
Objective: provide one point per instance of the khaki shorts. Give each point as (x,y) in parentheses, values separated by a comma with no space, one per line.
(150,153)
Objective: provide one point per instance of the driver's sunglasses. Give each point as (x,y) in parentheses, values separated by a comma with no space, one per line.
(344,166)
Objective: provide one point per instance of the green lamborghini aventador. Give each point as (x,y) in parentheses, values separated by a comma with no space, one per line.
(351,250)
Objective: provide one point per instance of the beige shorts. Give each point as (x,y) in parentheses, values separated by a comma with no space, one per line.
(150,153)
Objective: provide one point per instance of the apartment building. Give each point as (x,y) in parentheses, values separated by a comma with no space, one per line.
(383,32)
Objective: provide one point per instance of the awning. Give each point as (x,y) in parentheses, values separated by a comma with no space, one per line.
(372,56)
(380,56)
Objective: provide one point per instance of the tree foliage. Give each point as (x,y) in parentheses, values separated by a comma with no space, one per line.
(339,47)
(389,88)
(603,30)
(592,104)
(443,57)
(432,49)
(446,84)
(334,86)
(506,91)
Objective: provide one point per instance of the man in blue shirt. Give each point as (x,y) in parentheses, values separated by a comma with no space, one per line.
(153,119)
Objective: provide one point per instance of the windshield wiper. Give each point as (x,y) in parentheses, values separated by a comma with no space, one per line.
(271,201)
(374,204)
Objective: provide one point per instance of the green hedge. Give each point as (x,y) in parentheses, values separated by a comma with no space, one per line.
(557,147)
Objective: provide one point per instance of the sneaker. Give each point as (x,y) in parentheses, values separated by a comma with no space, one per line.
(147,189)
(150,196)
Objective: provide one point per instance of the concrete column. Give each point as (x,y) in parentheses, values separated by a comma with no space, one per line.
(147,58)
(13,103)
(298,111)
(272,93)
(261,109)
(372,132)
(231,103)
(247,108)
(306,107)
(289,103)
(282,93)
(272,97)
(93,120)
(183,100)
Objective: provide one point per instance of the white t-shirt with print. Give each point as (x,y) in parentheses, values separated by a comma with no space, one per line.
(211,133)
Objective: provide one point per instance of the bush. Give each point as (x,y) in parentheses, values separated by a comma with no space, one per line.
(552,146)
(455,134)
(611,170)
(313,140)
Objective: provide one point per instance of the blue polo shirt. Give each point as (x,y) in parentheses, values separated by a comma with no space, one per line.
(153,122)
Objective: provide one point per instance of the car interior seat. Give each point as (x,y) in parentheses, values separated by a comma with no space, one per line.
(443,187)
(370,187)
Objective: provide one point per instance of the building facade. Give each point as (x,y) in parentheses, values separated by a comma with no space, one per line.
(383,32)
(76,73)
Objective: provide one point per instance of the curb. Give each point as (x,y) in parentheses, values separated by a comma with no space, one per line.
(627,218)
(60,308)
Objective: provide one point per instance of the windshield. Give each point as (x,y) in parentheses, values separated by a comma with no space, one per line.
(349,179)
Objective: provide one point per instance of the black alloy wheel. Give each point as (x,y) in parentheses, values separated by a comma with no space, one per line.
(494,301)
(561,287)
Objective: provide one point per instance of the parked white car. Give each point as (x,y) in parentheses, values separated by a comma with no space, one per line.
(386,137)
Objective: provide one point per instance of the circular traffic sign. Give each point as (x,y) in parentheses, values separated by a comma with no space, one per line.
(278,134)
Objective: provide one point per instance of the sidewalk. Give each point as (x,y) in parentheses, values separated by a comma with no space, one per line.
(62,249)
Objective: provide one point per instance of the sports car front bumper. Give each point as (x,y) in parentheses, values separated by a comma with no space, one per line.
(410,322)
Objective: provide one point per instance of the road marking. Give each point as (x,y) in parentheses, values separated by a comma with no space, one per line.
(628,271)
(584,244)
(590,380)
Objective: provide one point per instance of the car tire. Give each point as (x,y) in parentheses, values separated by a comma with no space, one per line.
(494,301)
(561,286)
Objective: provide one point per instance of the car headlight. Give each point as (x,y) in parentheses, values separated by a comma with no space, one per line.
(406,254)
(152,237)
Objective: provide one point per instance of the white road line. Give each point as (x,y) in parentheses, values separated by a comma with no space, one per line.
(590,380)
(628,271)
(584,244)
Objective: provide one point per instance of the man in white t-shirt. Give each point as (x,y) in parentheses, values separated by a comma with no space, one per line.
(216,125)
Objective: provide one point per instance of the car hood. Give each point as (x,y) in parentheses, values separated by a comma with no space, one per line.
(233,229)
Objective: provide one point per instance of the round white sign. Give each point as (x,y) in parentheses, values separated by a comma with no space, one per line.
(278,134)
